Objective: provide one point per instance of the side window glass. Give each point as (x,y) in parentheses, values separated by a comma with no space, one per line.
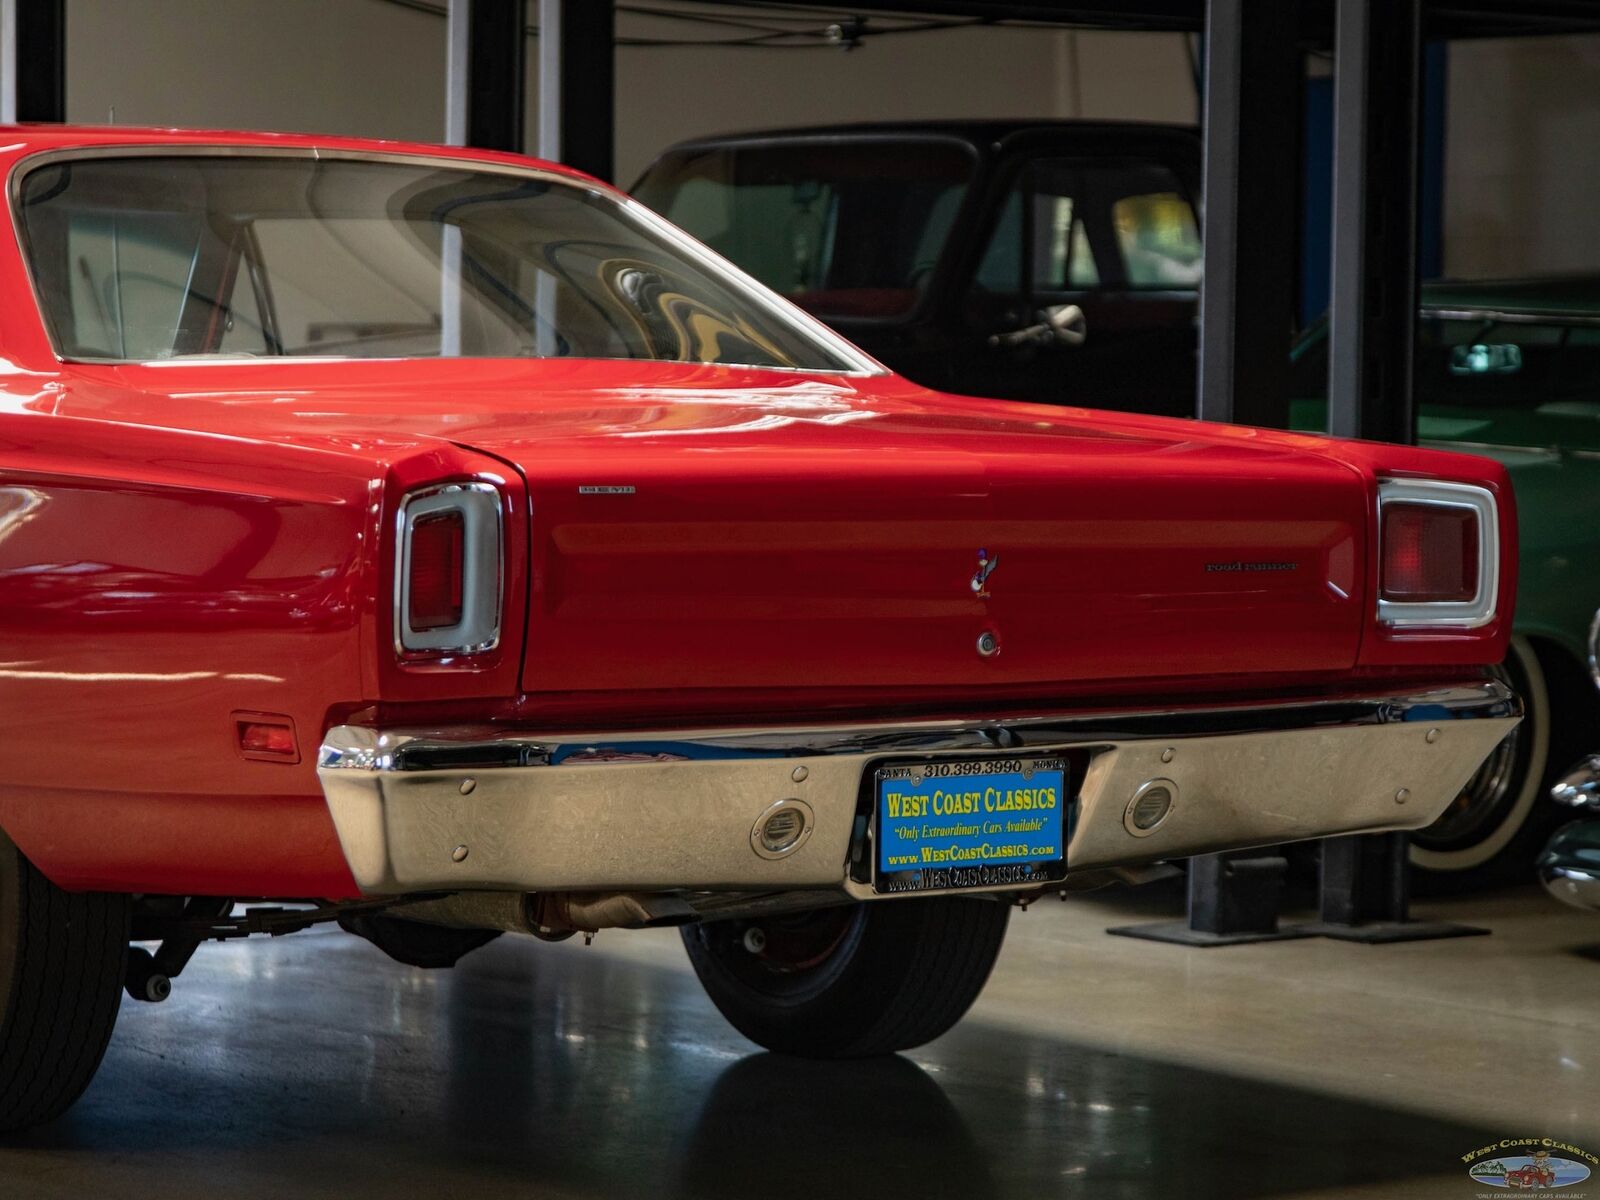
(243,326)
(1000,269)
(1071,226)
(1039,242)
(130,276)
(1159,240)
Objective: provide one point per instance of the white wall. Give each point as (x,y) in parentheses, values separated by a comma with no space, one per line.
(374,68)
(1522,164)
(326,66)
(1522,158)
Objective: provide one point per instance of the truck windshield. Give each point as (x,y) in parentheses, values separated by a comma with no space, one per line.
(163,257)
(842,228)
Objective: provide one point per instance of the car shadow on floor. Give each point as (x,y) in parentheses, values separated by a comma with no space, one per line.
(313,1067)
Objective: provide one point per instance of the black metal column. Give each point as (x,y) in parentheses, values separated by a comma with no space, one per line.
(1253,72)
(1377,117)
(577,84)
(497,43)
(1377,123)
(487,79)
(33,75)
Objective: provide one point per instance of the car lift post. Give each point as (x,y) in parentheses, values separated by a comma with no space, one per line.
(1233,899)
(1366,893)
(1253,84)
(1365,889)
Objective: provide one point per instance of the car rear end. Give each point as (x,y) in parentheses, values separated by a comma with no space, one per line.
(977,670)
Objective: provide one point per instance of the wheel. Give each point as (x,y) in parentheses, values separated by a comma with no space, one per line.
(1494,829)
(62,961)
(854,981)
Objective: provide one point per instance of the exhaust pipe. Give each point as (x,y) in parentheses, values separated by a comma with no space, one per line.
(550,915)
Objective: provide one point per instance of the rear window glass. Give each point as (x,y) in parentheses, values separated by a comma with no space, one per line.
(156,257)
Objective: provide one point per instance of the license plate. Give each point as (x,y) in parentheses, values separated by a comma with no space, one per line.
(978,823)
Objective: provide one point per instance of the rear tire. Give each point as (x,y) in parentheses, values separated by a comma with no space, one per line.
(62,961)
(850,982)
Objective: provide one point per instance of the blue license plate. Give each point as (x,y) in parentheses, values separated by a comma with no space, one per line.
(979,823)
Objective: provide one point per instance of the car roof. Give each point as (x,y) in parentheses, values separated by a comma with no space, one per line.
(18,141)
(977,131)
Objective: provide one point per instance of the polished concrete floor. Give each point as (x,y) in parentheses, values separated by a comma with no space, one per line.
(311,1066)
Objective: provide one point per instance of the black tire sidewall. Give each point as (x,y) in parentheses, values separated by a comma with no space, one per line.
(861,1000)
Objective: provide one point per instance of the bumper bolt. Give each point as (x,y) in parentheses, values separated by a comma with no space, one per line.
(799,774)
(467,785)
(755,939)
(1402,795)
(1432,736)
(459,854)
(1166,755)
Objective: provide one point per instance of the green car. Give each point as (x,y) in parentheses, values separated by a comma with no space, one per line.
(1511,370)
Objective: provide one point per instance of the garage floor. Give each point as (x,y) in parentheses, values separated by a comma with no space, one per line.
(1097,1066)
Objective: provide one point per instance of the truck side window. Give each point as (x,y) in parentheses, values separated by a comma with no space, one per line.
(1070,226)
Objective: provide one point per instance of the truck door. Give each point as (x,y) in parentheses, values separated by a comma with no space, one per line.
(1115,235)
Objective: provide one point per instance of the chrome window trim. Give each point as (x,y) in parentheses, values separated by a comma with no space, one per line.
(1468,614)
(737,280)
(1575,317)
(483,576)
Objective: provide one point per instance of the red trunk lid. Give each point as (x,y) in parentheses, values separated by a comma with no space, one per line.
(736,548)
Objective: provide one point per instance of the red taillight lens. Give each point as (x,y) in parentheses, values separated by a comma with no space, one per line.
(438,571)
(1430,554)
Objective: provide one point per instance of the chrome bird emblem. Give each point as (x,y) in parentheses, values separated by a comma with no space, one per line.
(980,578)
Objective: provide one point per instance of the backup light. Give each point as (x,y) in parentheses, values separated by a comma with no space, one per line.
(438,565)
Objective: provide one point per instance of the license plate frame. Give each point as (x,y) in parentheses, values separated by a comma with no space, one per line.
(988,833)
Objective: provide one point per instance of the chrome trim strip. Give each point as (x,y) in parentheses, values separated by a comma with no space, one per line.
(1470,614)
(1507,317)
(731,276)
(672,810)
(358,748)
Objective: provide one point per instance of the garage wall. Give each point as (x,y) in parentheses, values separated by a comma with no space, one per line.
(1522,158)
(329,66)
(1523,126)
(375,68)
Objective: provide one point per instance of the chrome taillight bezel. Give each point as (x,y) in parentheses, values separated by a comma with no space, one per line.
(1453,614)
(483,571)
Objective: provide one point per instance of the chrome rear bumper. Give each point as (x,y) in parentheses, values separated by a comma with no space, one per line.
(478,809)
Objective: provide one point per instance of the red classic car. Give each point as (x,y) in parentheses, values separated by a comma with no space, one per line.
(441,543)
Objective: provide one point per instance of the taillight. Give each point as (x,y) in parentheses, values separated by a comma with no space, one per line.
(1438,553)
(447,596)
(438,567)
(1430,554)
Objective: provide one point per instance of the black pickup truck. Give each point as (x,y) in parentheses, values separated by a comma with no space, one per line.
(1050,261)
